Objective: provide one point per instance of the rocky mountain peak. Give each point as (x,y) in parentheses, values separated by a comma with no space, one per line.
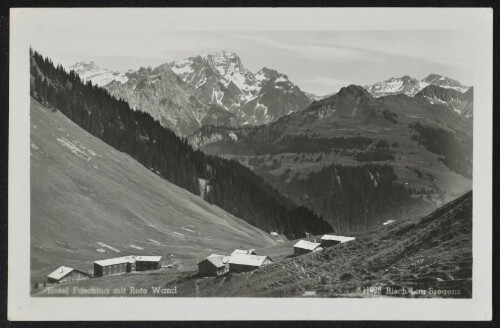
(221,56)
(445,82)
(84,65)
(408,79)
(438,92)
(269,74)
(354,91)
(395,85)
(89,71)
(432,77)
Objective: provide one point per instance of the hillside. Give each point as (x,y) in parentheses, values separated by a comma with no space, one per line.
(420,257)
(222,182)
(91,202)
(355,159)
(421,253)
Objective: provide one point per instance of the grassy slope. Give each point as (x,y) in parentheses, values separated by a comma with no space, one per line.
(421,253)
(84,192)
(433,251)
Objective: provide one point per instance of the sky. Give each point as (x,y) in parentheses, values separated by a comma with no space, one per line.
(320,62)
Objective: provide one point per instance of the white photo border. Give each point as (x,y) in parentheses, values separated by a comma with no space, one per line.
(23,307)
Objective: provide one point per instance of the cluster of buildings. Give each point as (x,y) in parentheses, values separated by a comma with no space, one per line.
(214,265)
(247,260)
(305,246)
(239,261)
(108,267)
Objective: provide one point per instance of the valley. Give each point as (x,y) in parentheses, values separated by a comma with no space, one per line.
(91,202)
(201,156)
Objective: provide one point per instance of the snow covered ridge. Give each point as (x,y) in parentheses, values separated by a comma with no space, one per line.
(445,82)
(225,66)
(227,69)
(89,71)
(220,79)
(410,86)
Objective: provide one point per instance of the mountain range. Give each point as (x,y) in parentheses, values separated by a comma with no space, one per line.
(411,86)
(216,89)
(409,137)
(181,94)
(348,154)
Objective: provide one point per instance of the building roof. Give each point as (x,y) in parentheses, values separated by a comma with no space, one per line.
(305,244)
(130,259)
(244,251)
(148,258)
(60,272)
(342,239)
(274,233)
(217,260)
(113,261)
(250,260)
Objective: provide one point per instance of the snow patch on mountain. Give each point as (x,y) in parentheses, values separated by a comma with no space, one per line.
(89,71)
(445,82)
(396,85)
(221,79)
(410,86)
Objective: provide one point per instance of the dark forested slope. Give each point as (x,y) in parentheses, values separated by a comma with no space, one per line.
(225,183)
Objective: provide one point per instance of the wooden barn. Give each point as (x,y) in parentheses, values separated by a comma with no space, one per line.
(246,262)
(109,267)
(305,246)
(330,240)
(213,265)
(143,263)
(66,274)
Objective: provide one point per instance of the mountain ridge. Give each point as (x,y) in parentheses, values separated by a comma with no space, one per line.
(220,78)
(215,79)
(411,86)
(315,153)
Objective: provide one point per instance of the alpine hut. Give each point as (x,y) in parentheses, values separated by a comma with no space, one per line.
(330,240)
(121,265)
(118,265)
(305,246)
(143,263)
(213,265)
(246,262)
(66,274)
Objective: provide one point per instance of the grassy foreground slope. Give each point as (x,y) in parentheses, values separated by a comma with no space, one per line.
(429,256)
(91,202)
(413,255)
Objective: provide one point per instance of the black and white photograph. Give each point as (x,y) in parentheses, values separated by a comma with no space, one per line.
(246,161)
